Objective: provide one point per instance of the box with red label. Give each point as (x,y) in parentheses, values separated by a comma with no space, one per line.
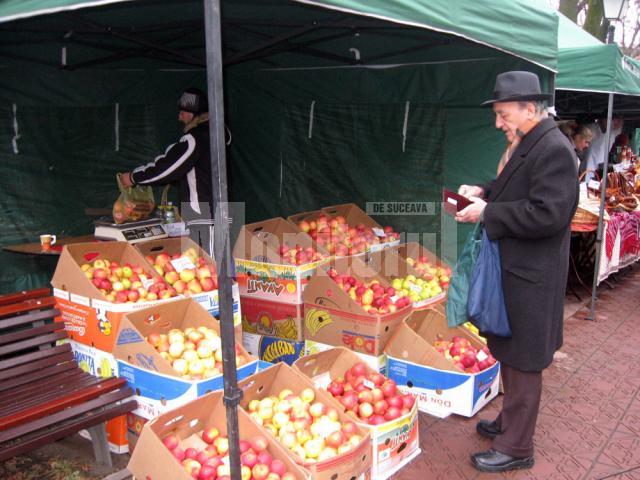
(91,316)
(185,360)
(353,463)
(190,271)
(264,317)
(394,435)
(201,425)
(345,230)
(419,360)
(335,317)
(275,260)
(134,429)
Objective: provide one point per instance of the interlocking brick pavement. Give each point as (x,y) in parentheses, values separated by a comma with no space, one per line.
(589,422)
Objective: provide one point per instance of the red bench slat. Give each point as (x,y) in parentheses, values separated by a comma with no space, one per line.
(37,375)
(7,338)
(18,297)
(58,356)
(27,306)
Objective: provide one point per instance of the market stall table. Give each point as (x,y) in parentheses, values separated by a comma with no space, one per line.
(36,248)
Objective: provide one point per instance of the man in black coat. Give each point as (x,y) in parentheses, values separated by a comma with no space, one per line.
(528,209)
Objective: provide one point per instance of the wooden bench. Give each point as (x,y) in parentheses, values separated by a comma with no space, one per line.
(44,395)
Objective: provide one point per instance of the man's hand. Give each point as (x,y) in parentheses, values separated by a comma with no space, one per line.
(125,179)
(471,191)
(471,213)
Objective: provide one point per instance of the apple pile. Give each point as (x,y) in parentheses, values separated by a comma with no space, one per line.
(341,239)
(370,397)
(194,353)
(464,355)
(372,296)
(298,255)
(191,280)
(305,426)
(417,289)
(430,272)
(212,461)
(125,283)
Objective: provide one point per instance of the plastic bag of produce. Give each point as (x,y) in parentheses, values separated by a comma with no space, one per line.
(133,204)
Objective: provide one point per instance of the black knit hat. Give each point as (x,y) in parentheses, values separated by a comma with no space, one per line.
(193,100)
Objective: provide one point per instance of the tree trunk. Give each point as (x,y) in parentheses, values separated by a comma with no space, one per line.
(595,23)
(569,8)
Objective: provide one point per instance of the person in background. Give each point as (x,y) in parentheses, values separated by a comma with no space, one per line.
(580,136)
(187,164)
(528,209)
(594,157)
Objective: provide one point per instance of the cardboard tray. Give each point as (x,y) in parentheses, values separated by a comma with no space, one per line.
(355,463)
(152,460)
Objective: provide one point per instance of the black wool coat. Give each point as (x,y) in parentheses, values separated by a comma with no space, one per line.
(529,211)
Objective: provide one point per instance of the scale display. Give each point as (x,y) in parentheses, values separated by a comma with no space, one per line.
(132,232)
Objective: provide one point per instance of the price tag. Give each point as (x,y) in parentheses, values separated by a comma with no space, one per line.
(379,232)
(395,298)
(147,282)
(216,343)
(322,381)
(481,356)
(369,384)
(225,460)
(593,185)
(416,288)
(182,263)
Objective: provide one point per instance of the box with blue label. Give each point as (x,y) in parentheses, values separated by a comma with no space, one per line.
(419,360)
(172,354)
(272,349)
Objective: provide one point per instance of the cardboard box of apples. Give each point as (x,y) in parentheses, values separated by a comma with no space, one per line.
(171,354)
(302,418)
(345,230)
(190,271)
(350,305)
(423,288)
(96,283)
(190,442)
(448,369)
(373,401)
(274,261)
(433,271)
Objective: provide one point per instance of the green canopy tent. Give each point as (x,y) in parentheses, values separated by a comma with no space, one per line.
(594,77)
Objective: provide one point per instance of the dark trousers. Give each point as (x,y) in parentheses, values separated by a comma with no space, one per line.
(520,405)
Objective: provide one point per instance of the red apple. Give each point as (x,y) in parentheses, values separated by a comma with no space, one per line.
(392,413)
(260,471)
(388,388)
(365,410)
(408,400)
(259,443)
(359,369)
(277,466)
(178,453)
(210,434)
(396,401)
(249,459)
(335,439)
(171,441)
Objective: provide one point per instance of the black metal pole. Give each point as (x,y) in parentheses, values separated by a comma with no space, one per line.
(603,189)
(232,394)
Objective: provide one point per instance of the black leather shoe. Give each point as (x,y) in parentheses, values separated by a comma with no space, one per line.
(488,429)
(494,461)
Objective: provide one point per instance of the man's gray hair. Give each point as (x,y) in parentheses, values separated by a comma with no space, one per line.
(540,105)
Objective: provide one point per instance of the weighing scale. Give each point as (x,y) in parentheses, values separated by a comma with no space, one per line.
(132,232)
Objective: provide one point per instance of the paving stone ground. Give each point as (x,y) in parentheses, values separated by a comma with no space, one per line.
(589,422)
(588,428)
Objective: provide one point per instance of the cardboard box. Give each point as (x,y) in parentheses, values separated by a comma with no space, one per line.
(134,429)
(272,349)
(415,250)
(209,300)
(394,443)
(391,265)
(353,216)
(276,319)
(354,464)
(259,268)
(151,460)
(417,367)
(334,318)
(89,318)
(157,385)
(104,365)
(379,363)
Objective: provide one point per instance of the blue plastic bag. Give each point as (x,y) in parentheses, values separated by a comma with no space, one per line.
(486,307)
(458,293)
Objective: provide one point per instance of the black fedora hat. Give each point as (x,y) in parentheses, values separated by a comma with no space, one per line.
(517,86)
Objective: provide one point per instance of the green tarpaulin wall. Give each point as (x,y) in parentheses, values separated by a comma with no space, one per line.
(311,127)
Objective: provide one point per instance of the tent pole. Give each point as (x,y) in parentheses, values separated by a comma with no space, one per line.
(232,394)
(603,189)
